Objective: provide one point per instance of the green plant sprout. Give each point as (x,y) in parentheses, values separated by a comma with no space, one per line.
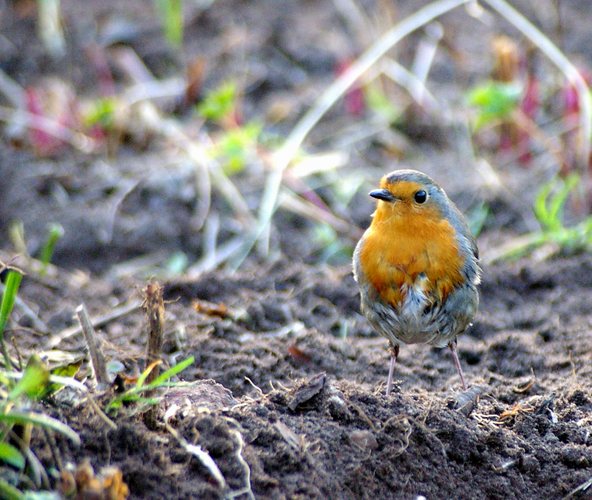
(136,393)
(380,104)
(101,112)
(219,103)
(172,19)
(494,101)
(34,381)
(13,281)
(55,232)
(548,209)
(234,146)
(38,381)
(34,384)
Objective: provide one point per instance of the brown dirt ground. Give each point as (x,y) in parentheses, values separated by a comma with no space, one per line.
(529,351)
(305,415)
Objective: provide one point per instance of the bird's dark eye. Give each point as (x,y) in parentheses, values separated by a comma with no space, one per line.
(421,196)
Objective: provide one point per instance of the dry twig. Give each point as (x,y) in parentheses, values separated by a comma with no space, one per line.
(326,100)
(153,306)
(96,355)
(114,314)
(203,456)
(582,488)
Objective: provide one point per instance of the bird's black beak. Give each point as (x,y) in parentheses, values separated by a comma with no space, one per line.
(382,194)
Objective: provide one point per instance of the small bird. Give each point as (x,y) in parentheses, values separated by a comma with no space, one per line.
(417,266)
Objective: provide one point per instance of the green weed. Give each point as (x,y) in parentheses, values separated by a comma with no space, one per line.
(219,103)
(13,281)
(171,12)
(234,146)
(55,232)
(101,112)
(137,393)
(33,384)
(494,102)
(548,208)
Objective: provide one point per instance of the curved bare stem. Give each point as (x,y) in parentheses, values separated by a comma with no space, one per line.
(326,100)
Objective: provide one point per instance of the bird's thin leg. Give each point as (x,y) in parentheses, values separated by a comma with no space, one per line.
(452,347)
(394,355)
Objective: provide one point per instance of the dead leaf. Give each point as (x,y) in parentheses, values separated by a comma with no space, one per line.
(309,390)
(83,483)
(364,440)
(466,401)
(298,354)
(210,309)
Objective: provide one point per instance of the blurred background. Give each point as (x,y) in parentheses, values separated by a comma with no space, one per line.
(171,137)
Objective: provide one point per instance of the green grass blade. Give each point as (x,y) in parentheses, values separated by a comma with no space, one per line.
(144,375)
(9,492)
(34,381)
(13,281)
(130,398)
(558,200)
(39,419)
(540,208)
(56,231)
(171,372)
(11,455)
(133,395)
(161,380)
(172,12)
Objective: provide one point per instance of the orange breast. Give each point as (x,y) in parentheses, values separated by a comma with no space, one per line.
(397,250)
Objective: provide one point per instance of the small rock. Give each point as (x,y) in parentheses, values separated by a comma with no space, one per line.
(529,464)
(191,399)
(364,440)
(307,391)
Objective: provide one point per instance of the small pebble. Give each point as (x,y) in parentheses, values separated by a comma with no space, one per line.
(364,440)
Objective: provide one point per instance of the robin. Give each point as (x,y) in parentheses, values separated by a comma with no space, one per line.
(417,266)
